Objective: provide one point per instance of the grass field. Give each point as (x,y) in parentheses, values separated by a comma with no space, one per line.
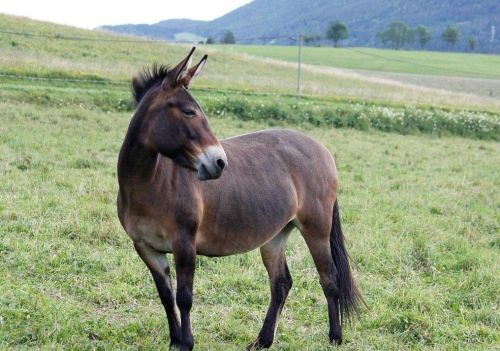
(401,61)
(420,213)
(419,71)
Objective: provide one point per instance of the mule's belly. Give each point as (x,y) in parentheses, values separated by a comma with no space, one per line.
(244,216)
(231,241)
(208,243)
(221,240)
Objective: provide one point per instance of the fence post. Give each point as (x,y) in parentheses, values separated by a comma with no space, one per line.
(298,67)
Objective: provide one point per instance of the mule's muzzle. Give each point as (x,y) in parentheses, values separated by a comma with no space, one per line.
(211,163)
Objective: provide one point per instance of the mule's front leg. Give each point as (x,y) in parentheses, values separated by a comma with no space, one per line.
(185,257)
(158,266)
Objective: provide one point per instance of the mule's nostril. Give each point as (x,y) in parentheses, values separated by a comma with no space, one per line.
(221,164)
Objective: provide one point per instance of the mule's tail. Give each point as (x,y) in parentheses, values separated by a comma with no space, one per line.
(350,296)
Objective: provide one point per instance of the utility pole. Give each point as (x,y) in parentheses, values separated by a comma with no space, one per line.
(298,67)
(492,39)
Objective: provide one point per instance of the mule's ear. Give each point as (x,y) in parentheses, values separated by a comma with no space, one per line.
(193,71)
(176,74)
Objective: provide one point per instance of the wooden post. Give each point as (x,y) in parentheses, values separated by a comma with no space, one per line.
(298,67)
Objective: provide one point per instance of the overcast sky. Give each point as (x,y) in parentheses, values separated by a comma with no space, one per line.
(93,13)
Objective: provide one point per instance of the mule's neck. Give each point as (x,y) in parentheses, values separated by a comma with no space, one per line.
(136,160)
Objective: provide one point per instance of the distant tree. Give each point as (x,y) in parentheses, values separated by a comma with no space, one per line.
(336,32)
(397,35)
(311,39)
(472,43)
(228,38)
(451,35)
(423,35)
(210,40)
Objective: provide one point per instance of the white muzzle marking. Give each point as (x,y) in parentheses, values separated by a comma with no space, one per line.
(211,162)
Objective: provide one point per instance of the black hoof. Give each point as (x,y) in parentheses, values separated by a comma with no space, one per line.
(336,339)
(175,343)
(259,345)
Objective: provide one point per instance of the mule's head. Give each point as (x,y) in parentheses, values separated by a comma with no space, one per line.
(173,123)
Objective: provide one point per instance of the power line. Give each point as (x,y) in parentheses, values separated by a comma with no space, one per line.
(124,40)
(81,38)
(125,84)
(264,38)
(51,79)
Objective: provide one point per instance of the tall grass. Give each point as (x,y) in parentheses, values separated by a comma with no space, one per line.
(278,110)
(405,120)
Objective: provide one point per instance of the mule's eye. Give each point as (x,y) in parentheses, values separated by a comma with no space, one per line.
(189,113)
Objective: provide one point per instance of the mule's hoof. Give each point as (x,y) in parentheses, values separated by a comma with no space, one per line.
(180,347)
(259,345)
(336,339)
(175,344)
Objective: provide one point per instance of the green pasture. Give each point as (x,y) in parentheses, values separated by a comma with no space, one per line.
(402,61)
(420,214)
(419,196)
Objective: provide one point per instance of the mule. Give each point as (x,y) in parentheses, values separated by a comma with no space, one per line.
(184,192)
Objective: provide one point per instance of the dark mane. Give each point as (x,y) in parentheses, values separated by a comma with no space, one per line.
(147,79)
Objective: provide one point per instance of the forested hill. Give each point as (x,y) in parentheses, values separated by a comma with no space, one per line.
(273,21)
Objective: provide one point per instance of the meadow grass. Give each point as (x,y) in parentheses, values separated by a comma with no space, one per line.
(380,60)
(420,214)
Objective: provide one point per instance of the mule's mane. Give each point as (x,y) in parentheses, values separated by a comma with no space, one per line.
(148,78)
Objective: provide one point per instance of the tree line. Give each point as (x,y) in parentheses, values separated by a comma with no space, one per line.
(397,35)
(226,38)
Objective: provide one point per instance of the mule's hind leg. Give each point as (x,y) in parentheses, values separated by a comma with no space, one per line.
(317,236)
(160,270)
(273,256)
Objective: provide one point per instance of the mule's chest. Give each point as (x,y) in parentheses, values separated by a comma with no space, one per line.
(148,230)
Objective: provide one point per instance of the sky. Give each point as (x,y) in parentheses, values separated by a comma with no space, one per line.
(93,13)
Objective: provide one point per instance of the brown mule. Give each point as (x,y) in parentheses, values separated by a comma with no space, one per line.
(269,182)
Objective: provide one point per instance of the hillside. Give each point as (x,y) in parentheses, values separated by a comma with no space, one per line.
(113,59)
(274,21)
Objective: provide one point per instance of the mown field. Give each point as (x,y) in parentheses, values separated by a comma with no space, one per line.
(420,211)
(400,61)
(420,71)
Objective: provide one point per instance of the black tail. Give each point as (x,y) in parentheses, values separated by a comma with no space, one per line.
(350,297)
